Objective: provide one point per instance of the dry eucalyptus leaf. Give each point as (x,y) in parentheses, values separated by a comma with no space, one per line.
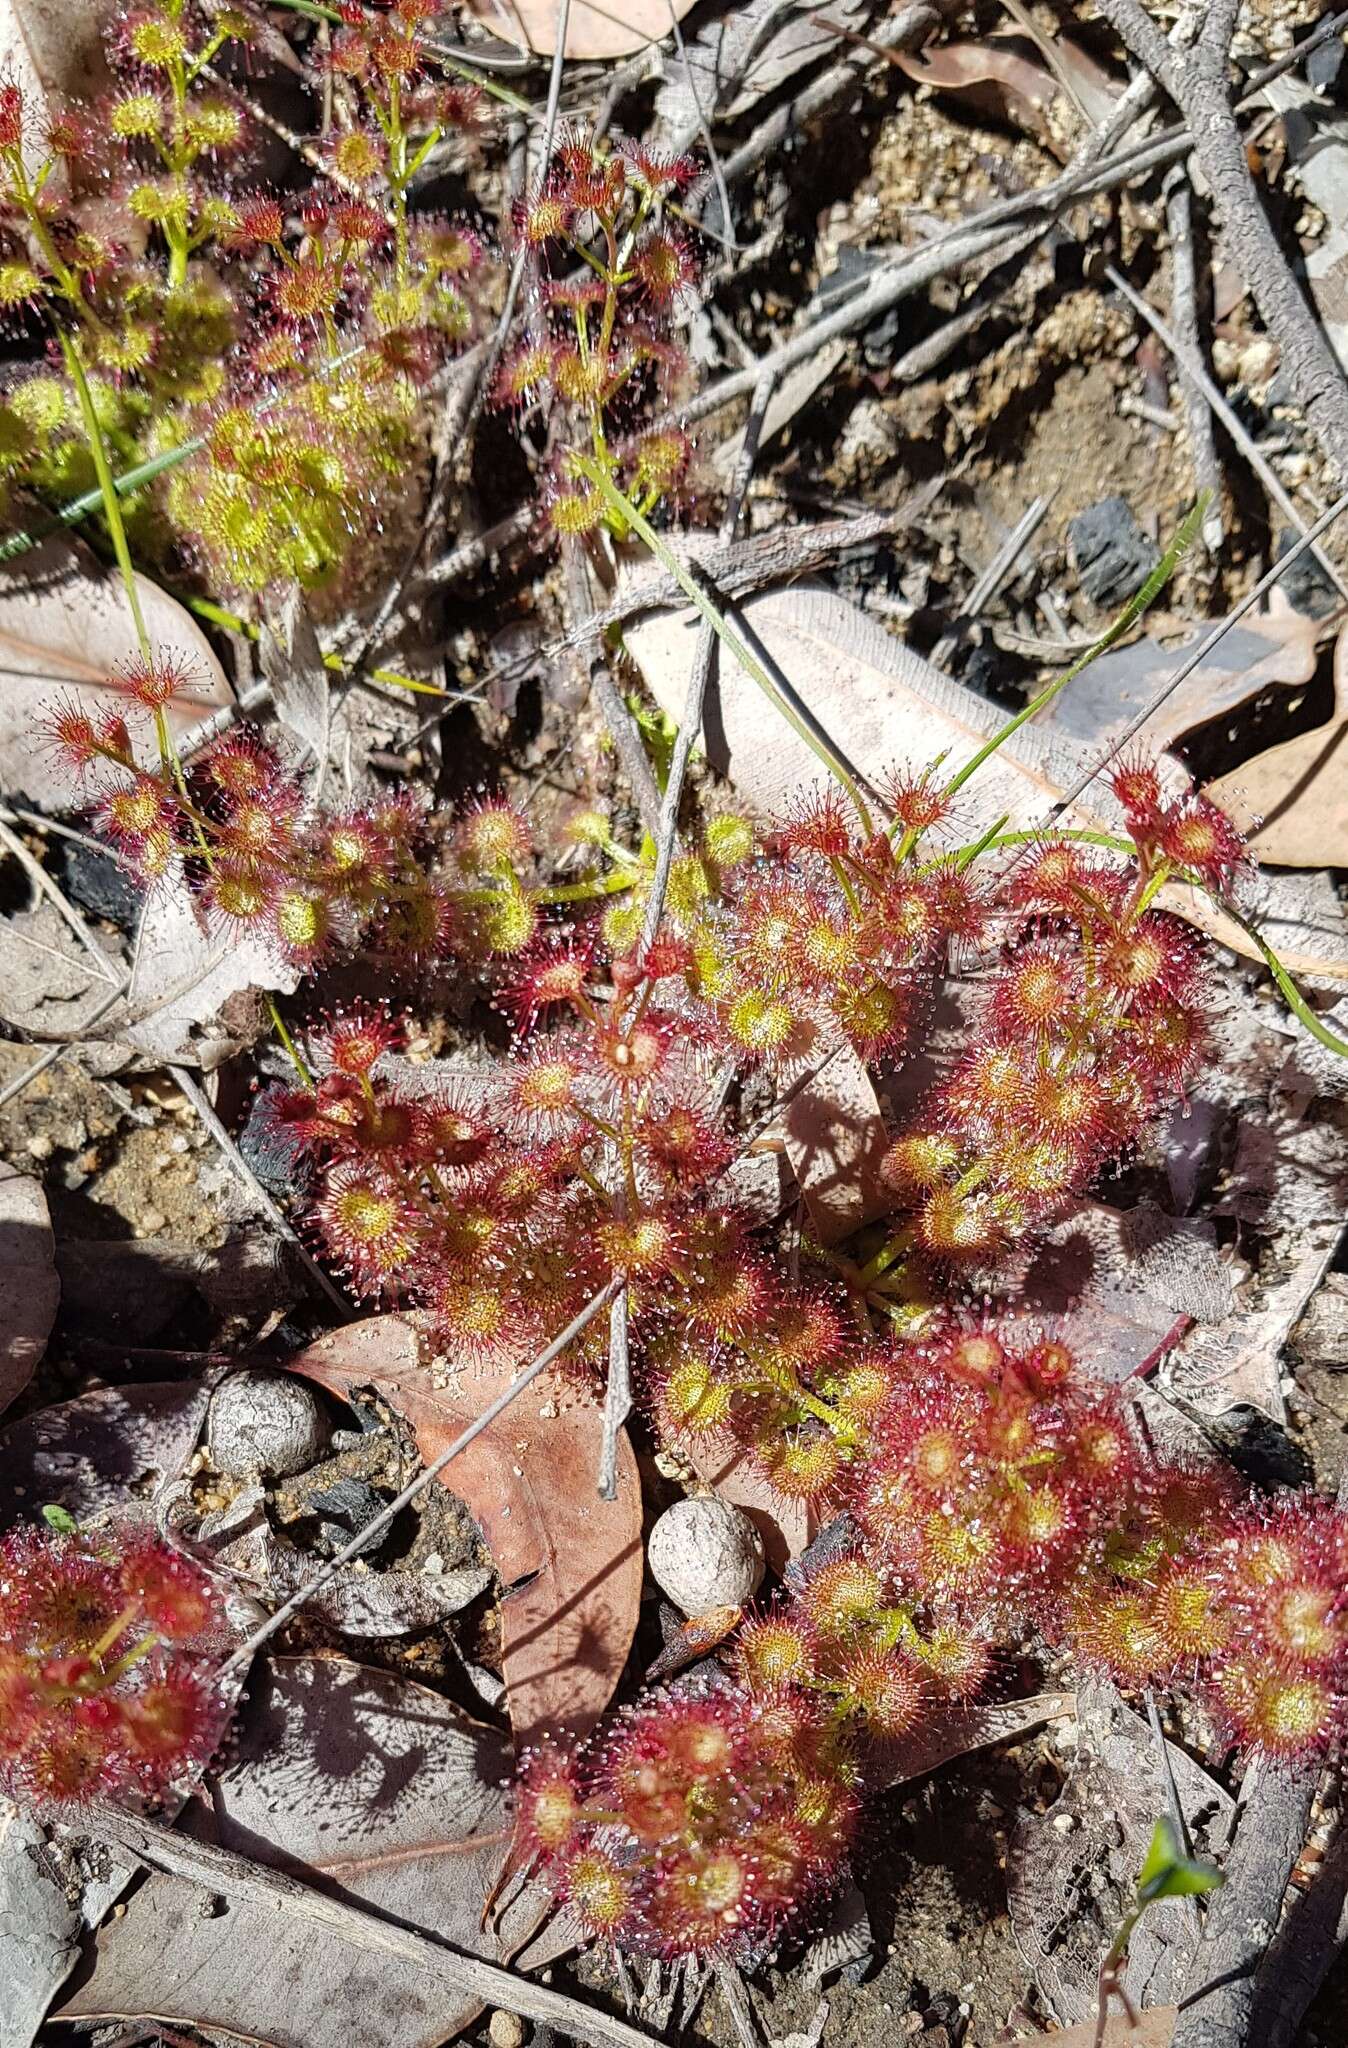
(101,1450)
(191,984)
(48,983)
(65,627)
(571,1562)
(878,701)
(29,1289)
(1295,795)
(1278,649)
(367,1786)
(597,28)
(51,49)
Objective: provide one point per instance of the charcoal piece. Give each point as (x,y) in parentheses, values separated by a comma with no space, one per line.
(1305,585)
(349,1502)
(1113,556)
(99,883)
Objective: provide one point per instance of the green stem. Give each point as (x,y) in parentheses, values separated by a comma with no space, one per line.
(292,1051)
(112,510)
(1131,612)
(669,561)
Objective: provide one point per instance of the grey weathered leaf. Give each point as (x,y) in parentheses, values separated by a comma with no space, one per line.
(367,1786)
(292,661)
(100,1450)
(1072,1871)
(29,1289)
(186,975)
(742,55)
(65,628)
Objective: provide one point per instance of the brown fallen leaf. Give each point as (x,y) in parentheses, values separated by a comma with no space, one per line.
(64,628)
(369,1787)
(834,1137)
(596,28)
(1154,2029)
(992,75)
(572,1563)
(29,1288)
(1295,795)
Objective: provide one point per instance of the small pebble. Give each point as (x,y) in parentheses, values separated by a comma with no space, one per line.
(506,2030)
(260,1422)
(704,1553)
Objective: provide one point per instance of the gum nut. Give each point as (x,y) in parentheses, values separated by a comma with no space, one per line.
(704,1554)
(260,1422)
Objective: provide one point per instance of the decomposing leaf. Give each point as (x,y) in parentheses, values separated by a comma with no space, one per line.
(834,1136)
(742,55)
(292,661)
(571,1562)
(100,1449)
(1275,650)
(372,1606)
(1072,1871)
(64,629)
(1295,794)
(29,1289)
(596,28)
(51,49)
(366,1786)
(48,983)
(191,981)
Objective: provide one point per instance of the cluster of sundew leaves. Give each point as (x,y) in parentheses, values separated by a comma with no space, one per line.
(610,270)
(108,1651)
(599,1149)
(1002,1496)
(695,1823)
(294,339)
(235,829)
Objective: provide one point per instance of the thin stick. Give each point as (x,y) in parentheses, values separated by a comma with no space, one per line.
(1195,371)
(387,1516)
(1179,214)
(228,1875)
(1198,82)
